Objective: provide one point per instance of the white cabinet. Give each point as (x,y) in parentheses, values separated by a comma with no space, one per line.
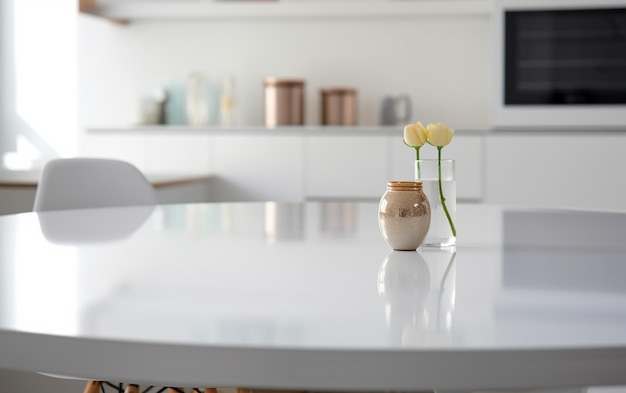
(346,166)
(467,150)
(289,164)
(179,151)
(258,168)
(532,168)
(558,170)
(359,167)
(178,154)
(124,146)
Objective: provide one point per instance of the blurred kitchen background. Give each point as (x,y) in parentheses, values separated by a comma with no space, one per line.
(68,71)
(95,82)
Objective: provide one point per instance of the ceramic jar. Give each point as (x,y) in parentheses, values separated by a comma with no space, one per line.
(404,215)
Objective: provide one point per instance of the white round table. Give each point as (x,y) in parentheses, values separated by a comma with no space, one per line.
(309,296)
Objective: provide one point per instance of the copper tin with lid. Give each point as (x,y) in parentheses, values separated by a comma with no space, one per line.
(339,106)
(284,102)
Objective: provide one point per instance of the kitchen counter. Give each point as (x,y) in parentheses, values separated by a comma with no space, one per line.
(18,188)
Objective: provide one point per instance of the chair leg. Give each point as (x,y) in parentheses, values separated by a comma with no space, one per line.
(132,389)
(92,387)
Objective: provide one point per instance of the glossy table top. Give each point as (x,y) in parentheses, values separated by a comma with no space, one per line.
(309,296)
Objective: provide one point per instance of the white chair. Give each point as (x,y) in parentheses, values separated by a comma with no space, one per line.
(80,183)
(75,183)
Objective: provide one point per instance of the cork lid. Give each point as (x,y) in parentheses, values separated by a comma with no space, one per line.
(272,81)
(338,90)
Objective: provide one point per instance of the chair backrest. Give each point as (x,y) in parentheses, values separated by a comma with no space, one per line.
(74,183)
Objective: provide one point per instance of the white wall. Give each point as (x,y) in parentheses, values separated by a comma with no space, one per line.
(443,62)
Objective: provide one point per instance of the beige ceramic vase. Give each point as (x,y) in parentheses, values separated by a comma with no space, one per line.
(404,215)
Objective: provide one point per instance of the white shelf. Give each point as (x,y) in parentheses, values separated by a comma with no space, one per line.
(207,9)
(262,130)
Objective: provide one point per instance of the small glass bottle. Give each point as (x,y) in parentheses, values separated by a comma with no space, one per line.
(227,103)
(404,215)
(196,101)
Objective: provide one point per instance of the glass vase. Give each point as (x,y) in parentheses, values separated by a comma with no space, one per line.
(427,171)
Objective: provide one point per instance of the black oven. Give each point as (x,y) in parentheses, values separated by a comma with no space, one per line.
(564,57)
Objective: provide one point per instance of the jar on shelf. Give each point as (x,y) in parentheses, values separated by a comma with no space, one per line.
(284,102)
(339,107)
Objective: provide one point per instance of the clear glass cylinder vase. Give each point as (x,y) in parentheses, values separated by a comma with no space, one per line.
(443,214)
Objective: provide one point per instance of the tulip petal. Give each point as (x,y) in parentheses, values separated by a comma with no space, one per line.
(439,134)
(415,135)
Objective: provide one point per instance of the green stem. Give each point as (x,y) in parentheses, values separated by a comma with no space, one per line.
(417,159)
(441,197)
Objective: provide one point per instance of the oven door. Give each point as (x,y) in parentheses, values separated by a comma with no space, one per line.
(560,63)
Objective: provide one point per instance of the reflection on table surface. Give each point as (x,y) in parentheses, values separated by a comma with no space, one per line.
(314,275)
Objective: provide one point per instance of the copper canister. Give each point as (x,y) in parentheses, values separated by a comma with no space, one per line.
(284,102)
(339,106)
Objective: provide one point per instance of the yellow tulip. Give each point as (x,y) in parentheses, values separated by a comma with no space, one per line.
(415,135)
(439,134)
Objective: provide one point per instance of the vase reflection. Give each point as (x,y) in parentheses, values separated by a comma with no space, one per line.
(418,289)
